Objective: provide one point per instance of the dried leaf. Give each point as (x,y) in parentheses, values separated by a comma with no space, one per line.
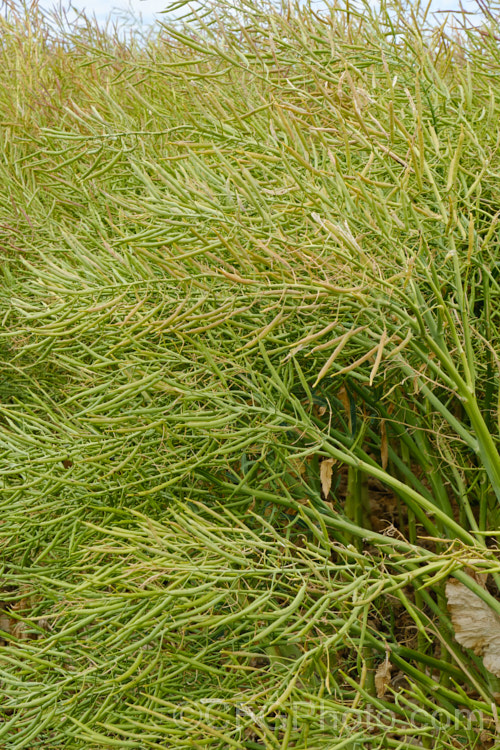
(476,625)
(383,677)
(325,472)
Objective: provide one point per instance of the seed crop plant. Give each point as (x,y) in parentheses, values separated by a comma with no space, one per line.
(249,383)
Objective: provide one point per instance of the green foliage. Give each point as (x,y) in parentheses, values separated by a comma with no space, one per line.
(249,394)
